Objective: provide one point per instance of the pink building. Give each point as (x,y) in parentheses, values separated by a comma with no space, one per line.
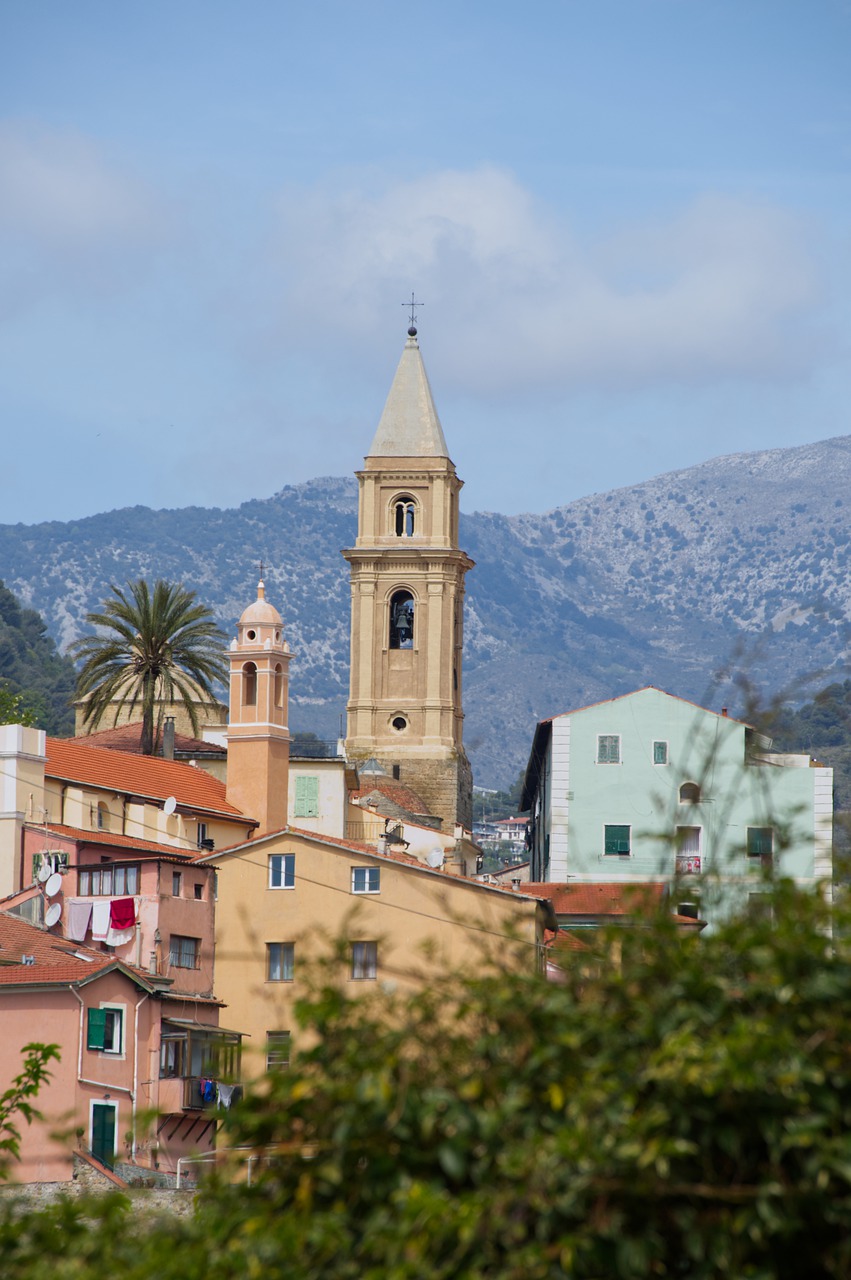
(134,1053)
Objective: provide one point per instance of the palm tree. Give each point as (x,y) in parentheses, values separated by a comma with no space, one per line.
(154,647)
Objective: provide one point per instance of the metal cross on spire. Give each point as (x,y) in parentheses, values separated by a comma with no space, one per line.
(413,304)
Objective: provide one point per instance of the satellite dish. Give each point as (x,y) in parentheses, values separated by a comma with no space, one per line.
(53,885)
(52,914)
(435,858)
(169,806)
(45,871)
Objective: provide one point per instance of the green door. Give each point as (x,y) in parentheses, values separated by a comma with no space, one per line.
(103,1132)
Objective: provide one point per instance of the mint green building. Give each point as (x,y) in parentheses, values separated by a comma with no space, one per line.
(650,788)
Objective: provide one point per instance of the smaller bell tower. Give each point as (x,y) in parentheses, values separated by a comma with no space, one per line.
(258,734)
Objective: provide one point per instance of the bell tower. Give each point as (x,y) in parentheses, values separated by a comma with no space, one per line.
(258,736)
(407,579)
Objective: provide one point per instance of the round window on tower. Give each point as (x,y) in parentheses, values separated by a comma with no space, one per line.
(251,635)
(399,723)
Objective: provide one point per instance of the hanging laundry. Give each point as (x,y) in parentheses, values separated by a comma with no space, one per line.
(226,1092)
(100,920)
(79,916)
(118,937)
(208,1091)
(122,913)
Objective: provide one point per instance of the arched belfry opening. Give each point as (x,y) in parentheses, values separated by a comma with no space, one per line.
(407,571)
(404,517)
(401,628)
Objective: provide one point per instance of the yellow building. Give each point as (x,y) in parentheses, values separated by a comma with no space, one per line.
(293,899)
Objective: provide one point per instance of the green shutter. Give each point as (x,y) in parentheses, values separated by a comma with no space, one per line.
(760,842)
(307,797)
(660,753)
(97,1028)
(616,840)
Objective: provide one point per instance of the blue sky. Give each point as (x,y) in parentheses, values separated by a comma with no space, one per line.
(628,221)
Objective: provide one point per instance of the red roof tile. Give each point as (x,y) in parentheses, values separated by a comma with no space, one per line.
(611,899)
(55,959)
(128,737)
(147,776)
(113,840)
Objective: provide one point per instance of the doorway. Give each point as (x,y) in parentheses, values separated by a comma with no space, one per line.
(103,1126)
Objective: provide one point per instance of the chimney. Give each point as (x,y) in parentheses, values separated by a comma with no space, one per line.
(723,711)
(168,738)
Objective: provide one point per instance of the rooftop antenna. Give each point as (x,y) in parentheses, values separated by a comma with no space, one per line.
(413,304)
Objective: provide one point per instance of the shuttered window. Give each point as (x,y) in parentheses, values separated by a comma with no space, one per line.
(616,840)
(608,748)
(96,1030)
(307,797)
(660,753)
(760,842)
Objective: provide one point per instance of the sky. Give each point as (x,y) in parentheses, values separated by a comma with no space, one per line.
(627,222)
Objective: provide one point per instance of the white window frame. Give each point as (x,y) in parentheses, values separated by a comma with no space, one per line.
(610,738)
(370,878)
(284,865)
(278,1042)
(119,1010)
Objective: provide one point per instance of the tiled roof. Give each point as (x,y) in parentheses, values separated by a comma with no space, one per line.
(128,737)
(611,899)
(113,840)
(147,776)
(55,959)
(405,797)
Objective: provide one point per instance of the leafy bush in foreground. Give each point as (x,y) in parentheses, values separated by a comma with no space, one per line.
(678,1107)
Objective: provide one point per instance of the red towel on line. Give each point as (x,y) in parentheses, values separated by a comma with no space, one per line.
(122,913)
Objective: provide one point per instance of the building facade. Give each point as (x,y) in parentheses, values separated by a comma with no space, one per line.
(651,788)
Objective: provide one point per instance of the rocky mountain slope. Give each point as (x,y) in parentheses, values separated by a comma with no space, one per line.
(739,565)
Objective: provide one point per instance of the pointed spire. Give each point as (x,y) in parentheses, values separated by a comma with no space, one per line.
(409,426)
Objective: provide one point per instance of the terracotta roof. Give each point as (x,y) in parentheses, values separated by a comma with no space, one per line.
(147,776)
(55,959)
(128,737)
(111,839)
(404,796)
(611,899)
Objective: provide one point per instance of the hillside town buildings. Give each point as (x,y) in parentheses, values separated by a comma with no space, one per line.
(163,916)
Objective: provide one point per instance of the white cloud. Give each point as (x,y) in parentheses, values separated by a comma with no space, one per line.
(69,219)
(514,300)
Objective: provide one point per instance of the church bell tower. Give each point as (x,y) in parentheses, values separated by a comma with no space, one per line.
(407,578)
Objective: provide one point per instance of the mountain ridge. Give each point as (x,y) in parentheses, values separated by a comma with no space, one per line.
(697,580)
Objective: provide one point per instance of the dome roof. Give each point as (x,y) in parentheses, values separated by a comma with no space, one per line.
(261,613)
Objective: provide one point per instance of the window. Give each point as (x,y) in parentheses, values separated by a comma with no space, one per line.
(364,960)
(608,748)
(277,1050)
(176,880)
(108,882)
(401,620)
(199,892)
(282,871)
(687,851)
(173,1058)
(616,841)
(51,858)
(660,753)
(102,817)
(306,797)
(689,793)
(201,836)
(185,953)
(105,1030)
(366,879)
(691,910)
(760,845)
(403,517)
(249,683)
(280,961)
